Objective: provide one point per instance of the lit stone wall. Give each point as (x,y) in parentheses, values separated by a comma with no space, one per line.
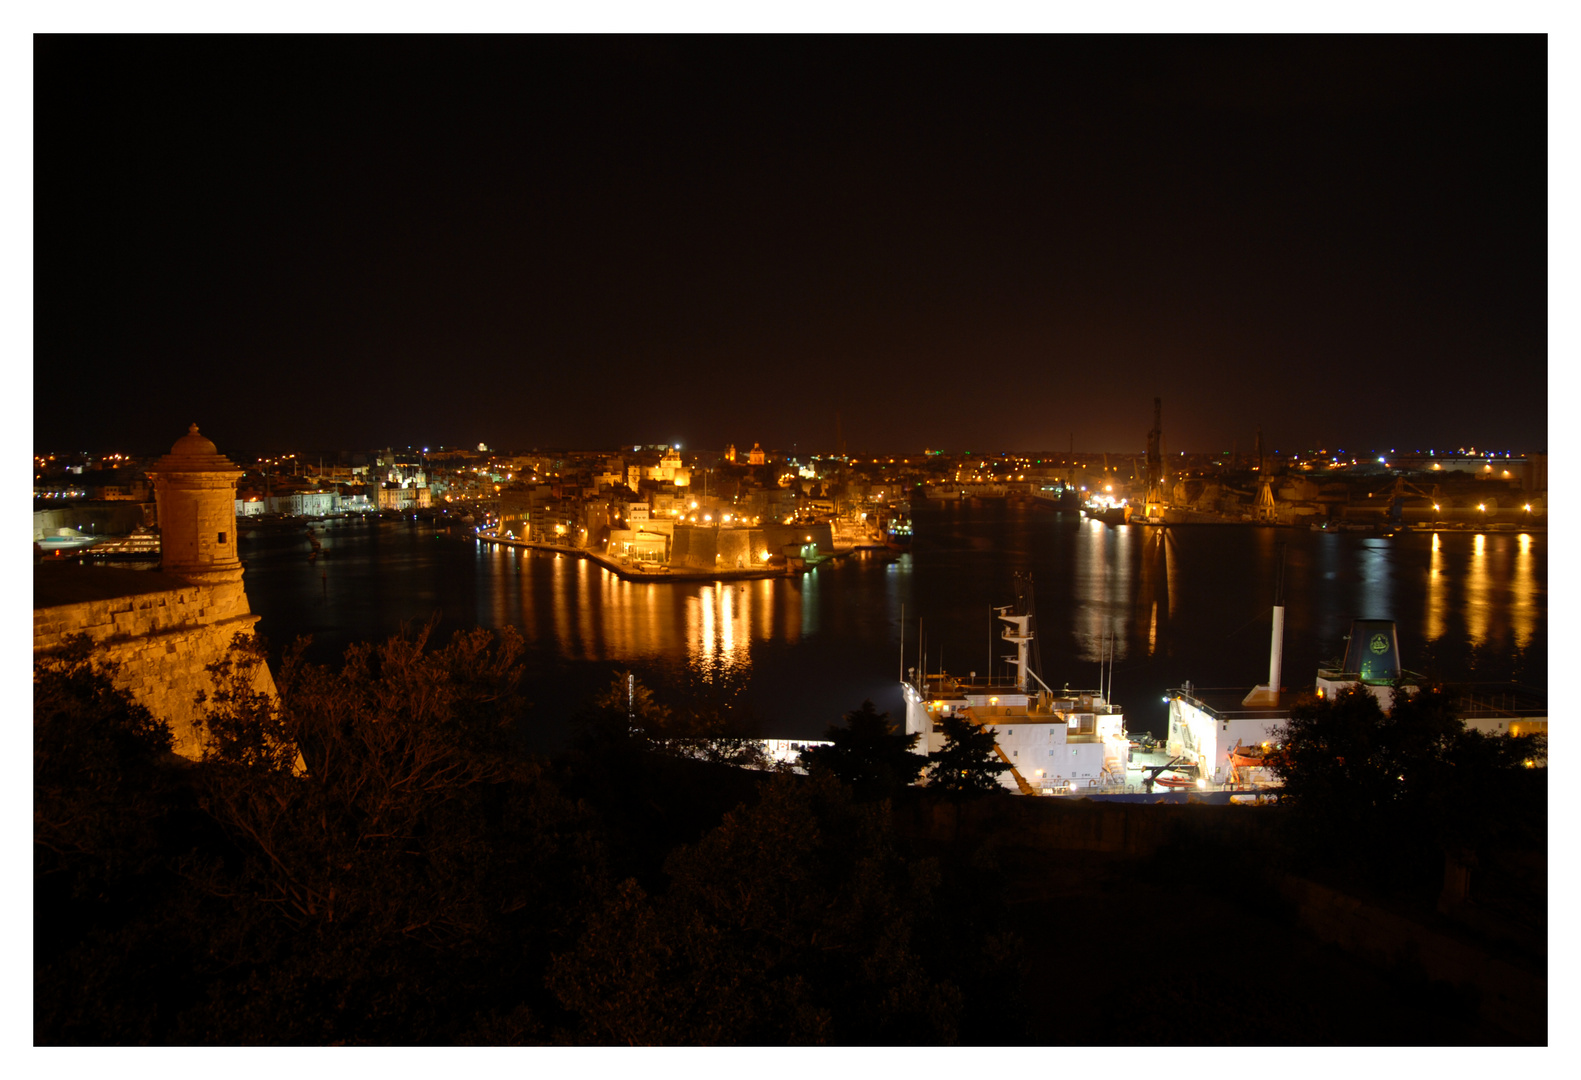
(162,640)
(737,550)
(695,546)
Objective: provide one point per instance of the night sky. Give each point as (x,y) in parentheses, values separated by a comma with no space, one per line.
(972,243)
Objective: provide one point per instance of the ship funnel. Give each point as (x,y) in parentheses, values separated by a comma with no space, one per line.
(1267,697)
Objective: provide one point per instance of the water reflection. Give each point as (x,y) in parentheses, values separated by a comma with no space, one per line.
(1523,593)
(563,610)
(1103,581)
(583,612)
(1156,590)
(809,602)
(1478,587)
(1437,590)
(1375,589)
(1185,603)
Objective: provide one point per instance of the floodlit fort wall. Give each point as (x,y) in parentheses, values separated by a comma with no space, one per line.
(163,628)
(161,639)
(743,549)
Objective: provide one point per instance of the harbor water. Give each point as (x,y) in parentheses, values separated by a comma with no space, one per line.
(1141,608)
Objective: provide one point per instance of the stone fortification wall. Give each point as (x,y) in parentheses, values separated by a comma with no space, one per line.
(739,549)
(162,638)
(695,546)
(742,549)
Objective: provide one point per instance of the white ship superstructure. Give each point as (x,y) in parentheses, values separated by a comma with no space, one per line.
(1054,741)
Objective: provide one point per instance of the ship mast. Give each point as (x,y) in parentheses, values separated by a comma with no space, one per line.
(1019,632)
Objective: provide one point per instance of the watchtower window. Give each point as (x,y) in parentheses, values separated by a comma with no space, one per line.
(222,538)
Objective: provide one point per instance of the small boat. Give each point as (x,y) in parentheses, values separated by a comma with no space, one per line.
(139,544)
(1175,781)
(897,531)
(1248,757)
(67,539)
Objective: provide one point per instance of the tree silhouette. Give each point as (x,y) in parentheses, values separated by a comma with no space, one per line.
(792,922)
(403,857)
(966,766)
(1390,792)
(869,754)
(626,717)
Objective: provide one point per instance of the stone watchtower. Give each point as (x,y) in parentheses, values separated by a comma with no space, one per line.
(195,489)
(163,628)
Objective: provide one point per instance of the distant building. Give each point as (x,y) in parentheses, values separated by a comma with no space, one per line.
(403,498)
(756,456)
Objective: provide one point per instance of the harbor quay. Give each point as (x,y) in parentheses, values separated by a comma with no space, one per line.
(631,570)
(681,550)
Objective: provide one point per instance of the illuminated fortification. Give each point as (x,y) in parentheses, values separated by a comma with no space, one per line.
(162,626)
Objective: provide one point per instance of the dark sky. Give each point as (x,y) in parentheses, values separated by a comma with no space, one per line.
(975,243)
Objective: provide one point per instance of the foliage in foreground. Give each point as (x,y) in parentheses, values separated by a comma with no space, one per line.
(366,860)
(626,718)
(1389,793)
(967,766)
(792,922)
(869,754)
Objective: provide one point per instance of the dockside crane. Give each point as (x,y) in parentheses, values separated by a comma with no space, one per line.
(1402,489)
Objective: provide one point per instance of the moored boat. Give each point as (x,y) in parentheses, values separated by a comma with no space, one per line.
(1109,514)
(897,533)
(141,543)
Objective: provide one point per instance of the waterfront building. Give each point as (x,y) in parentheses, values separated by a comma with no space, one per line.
(403,497)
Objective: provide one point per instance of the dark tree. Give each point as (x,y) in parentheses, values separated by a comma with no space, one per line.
(402,874)
(967,766)
(1390,793)
(105,790)
(869,754)
(792,922)
(96,780)
(626,717)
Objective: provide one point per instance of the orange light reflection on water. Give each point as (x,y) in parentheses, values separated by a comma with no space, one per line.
(1523,592)
(719,629)
(1478,588)
(1437,591)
